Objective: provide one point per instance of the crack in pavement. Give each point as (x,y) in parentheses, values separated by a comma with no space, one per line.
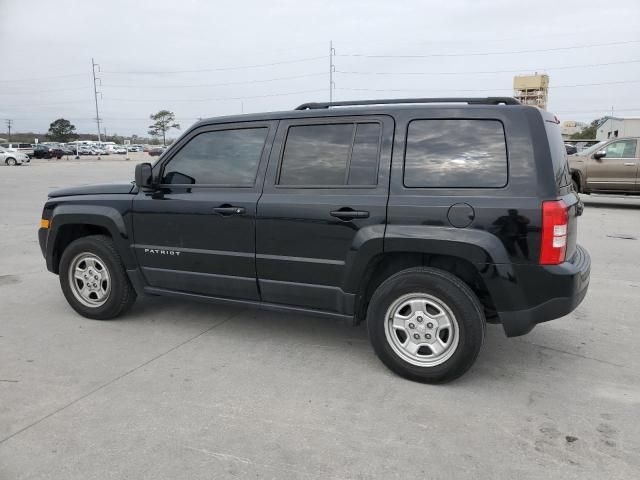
(119,377)
(575,354)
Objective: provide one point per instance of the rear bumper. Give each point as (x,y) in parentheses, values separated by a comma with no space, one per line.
(566,285)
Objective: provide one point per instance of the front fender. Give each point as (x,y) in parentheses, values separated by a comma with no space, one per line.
(102,216)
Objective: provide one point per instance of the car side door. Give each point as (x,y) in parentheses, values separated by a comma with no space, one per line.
(617,169)
(323,209)
(195,232)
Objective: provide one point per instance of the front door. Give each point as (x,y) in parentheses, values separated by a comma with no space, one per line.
(323,206)
(196,232)
(617,170)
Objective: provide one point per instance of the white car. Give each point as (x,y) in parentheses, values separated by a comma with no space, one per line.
(12,157)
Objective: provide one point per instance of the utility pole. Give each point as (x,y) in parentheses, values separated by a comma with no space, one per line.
(332,69)
(9,122)
(95,93)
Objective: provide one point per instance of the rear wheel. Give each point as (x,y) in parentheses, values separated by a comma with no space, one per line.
(426,325)
(94,280)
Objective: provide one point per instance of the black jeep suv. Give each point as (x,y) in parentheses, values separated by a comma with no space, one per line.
(425,218)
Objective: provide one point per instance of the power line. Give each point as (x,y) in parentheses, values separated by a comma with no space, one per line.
(45,104)
(605,109)
(475,54)
(216,99)
(44,78)
(478,72)
(243,82)
(482,89)
(216,69)
(31,92)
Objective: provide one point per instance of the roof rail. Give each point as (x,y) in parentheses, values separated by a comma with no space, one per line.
(394,101)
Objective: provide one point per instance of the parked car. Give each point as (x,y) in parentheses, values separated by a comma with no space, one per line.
(611,166)
(305,211)
(25,148)
(44,151)
(67,150)
(12,157)
(570,149)
(155,152)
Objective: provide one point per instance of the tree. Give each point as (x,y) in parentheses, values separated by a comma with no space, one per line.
(61,130)
(164,121)
(590,131)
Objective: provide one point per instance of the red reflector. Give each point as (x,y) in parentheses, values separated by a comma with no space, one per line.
(553,245)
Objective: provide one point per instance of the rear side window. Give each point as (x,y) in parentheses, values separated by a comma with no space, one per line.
(223,157)
(331,155)
(558,154)
(455,154)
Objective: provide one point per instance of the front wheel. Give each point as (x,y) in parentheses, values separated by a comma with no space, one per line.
(94,280)
(426,325)
(11,162)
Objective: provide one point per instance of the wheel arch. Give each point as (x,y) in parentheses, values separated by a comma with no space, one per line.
(387,264)
(578,176)
(466,253)
(70,222)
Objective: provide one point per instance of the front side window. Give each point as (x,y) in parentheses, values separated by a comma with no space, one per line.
(455,154)
(222,157)
(331,155)
(621,149)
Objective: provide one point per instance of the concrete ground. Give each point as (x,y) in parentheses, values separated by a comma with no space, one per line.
(186,390)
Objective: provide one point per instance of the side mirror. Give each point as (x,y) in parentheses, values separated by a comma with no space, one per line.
(143,175)
(600,154)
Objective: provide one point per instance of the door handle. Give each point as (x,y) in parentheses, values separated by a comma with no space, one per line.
(227,210)
(349,214)
(629,164)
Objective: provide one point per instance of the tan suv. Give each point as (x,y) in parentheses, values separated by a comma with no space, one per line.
(610,166)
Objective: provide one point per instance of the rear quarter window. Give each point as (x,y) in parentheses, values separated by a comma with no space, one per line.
(457,153)
(558,153)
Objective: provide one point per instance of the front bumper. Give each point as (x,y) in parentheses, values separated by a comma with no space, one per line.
(566,286)
(43,234)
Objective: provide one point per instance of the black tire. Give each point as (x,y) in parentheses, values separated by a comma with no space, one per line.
(122,294)
(576,185)
(11,162)
(449,290)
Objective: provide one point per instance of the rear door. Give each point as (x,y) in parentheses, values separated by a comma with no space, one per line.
(324,198)
(196,232)
(617,170)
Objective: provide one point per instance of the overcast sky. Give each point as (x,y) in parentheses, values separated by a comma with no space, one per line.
(209,58)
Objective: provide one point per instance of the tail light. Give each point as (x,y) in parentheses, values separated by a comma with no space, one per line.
(554,232)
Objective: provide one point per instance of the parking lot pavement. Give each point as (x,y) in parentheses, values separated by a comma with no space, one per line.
(188,390)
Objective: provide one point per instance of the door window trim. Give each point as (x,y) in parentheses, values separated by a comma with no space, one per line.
(182,142)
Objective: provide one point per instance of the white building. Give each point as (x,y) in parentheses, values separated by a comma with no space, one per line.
(619,127)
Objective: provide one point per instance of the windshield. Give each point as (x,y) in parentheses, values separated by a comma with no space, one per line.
(592,148)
